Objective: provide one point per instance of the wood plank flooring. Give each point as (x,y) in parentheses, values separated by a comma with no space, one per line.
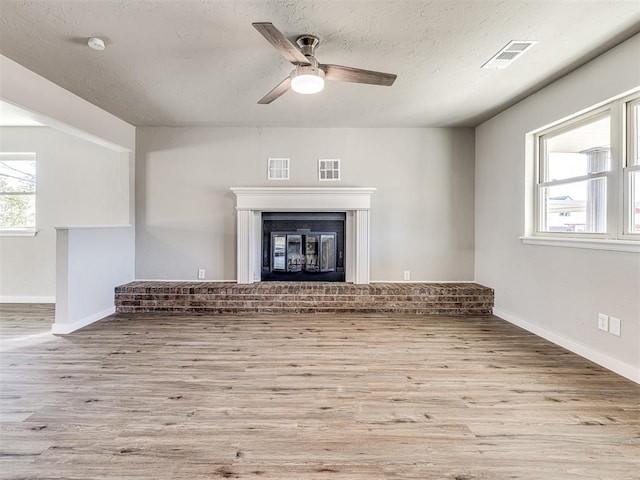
(153,396)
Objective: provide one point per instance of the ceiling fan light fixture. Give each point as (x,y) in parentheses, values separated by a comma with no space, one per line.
(307,79)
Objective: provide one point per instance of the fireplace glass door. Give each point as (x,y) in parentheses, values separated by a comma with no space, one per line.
(327,253)
(311,253)
(294,253)
(279,243)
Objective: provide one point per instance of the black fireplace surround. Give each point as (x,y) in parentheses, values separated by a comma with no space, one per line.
(303,246)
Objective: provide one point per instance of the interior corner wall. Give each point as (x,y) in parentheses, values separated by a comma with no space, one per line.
(78,183)
(556,292)
(56,107)
(422,217)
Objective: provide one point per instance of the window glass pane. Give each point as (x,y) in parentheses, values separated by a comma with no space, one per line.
(635,135)
(580,151)
(17,211)
(578,207)
(635,202)
(18,176)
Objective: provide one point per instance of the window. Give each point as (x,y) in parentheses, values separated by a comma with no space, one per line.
(574,166)
(588,177)
(278,169)
(632,168)
(17,192)
(329,169)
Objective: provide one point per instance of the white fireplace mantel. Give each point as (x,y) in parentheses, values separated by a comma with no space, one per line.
(252,201)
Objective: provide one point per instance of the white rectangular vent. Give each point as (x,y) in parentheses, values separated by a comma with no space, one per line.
(278,169)
(328,169)
(509,53)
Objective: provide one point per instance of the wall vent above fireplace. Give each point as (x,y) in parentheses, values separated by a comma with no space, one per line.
(278,169)
(328,169)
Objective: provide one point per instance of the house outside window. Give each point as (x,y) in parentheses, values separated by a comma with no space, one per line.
(17,192)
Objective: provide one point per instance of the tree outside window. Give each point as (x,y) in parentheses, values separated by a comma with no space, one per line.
(17,191)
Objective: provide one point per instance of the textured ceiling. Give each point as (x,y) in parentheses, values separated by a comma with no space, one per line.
(200,63)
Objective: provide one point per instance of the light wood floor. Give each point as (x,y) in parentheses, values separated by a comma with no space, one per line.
(306,397)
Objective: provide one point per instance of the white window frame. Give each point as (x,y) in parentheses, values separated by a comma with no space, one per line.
(285,169)
(618,235)
(542,166)
(18,231)
(322,169)
(632,153)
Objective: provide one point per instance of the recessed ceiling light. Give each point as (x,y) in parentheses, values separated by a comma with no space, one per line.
(513,50)
(96,43)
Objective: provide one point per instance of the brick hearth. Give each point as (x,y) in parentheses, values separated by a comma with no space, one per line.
(305,297)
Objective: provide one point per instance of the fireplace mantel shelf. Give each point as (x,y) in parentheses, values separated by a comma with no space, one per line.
(354,201)
(303,198)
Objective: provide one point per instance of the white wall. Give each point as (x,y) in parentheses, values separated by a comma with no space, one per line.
(422,213)
(56,107)
(556,292)
(78,183)
(90,263)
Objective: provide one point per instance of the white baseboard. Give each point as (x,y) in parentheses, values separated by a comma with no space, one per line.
(422,281)
(27,299)
(63,328)
(621,368)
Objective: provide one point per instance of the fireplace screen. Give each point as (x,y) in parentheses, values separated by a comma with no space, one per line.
(303,246)
(308,252)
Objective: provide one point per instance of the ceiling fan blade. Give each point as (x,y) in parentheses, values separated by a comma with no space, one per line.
(276,38)
(357,75)
(277,92)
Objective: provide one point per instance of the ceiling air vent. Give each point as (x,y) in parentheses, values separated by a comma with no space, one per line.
(509,53)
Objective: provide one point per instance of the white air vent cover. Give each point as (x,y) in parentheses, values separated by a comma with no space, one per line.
(509,53)
(328,169)
(278,169)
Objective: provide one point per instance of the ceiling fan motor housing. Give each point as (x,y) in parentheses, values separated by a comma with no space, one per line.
(308,44)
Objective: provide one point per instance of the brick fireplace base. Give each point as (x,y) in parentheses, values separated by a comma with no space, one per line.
(305,297)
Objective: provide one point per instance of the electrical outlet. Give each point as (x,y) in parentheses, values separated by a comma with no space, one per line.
(614,326)
(603,322)
(407,275)
(201,273)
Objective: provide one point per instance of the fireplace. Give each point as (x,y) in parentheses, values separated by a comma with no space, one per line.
(303,246)
(353,202)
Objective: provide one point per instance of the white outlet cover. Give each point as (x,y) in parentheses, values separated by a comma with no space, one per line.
(614,326)
(603,322)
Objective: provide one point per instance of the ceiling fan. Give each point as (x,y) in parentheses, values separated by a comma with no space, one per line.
(309,75)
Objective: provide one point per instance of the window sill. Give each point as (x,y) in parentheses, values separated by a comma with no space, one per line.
(592,244)
(18,233)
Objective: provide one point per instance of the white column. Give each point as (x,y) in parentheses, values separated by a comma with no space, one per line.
(350,247)
(255,269)
(244,237)
(362,247)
